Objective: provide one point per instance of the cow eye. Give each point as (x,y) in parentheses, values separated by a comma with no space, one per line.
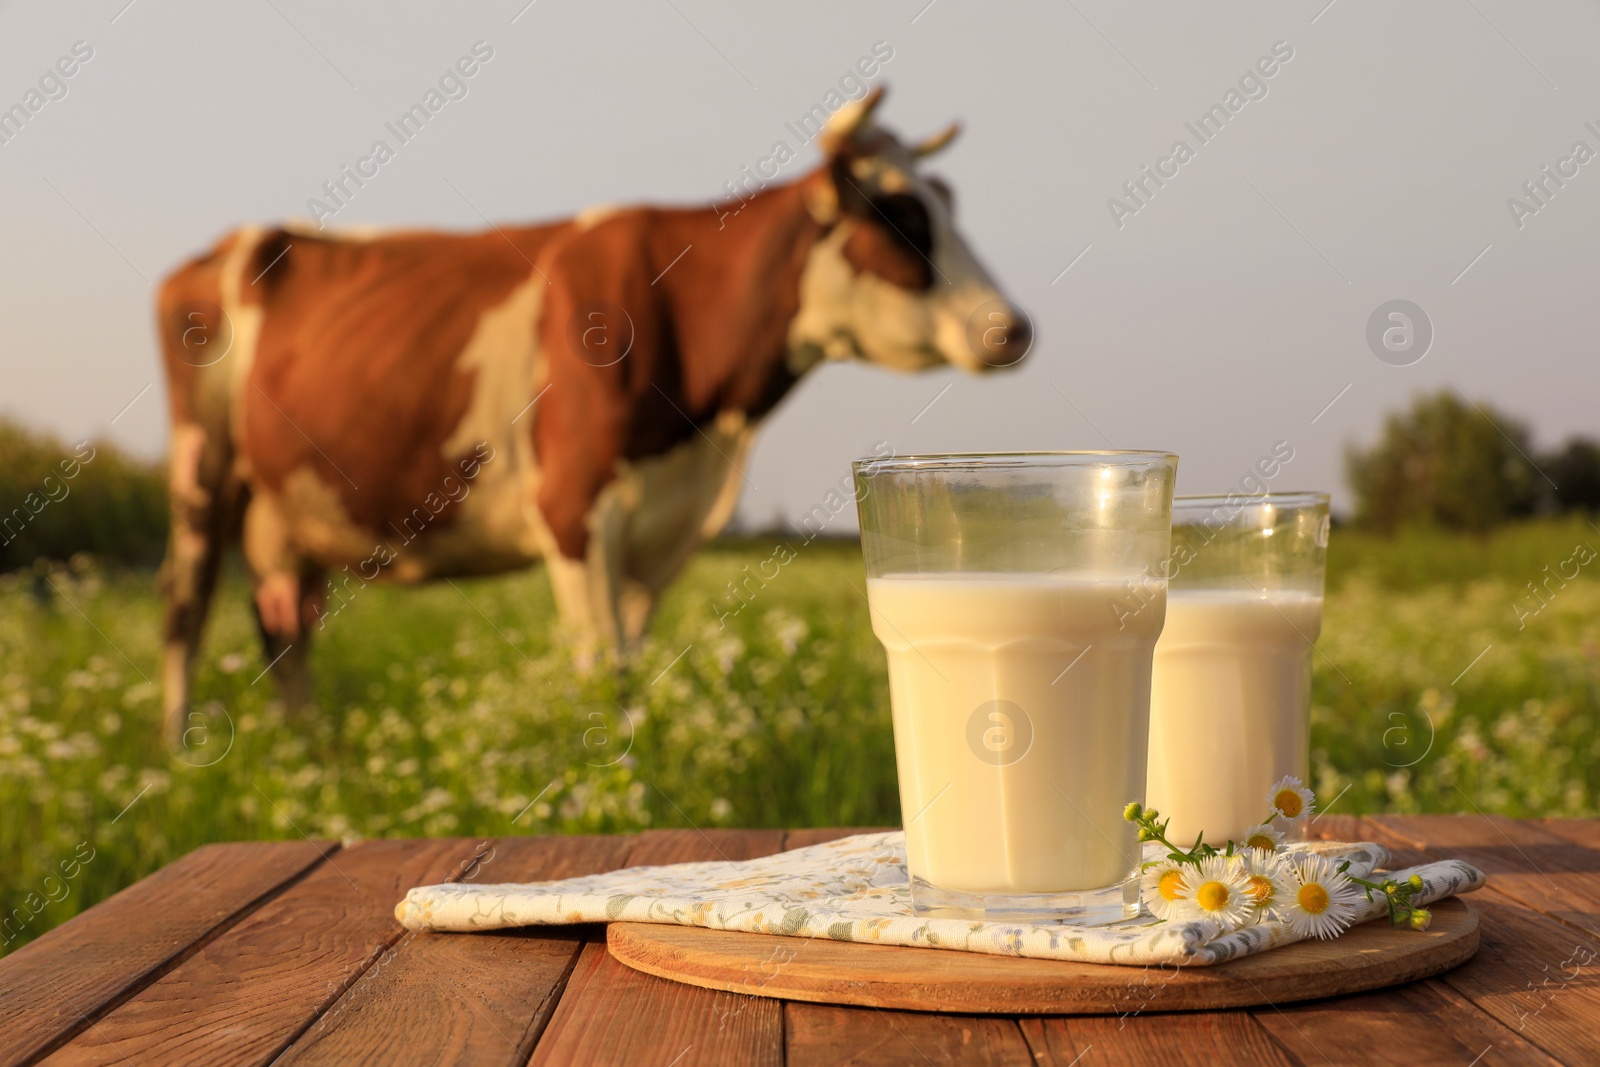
(907,220)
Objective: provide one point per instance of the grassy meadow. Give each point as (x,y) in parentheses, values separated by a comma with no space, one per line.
(455,710)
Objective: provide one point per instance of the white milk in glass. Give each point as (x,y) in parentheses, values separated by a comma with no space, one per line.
(1020,713)
(1229,706)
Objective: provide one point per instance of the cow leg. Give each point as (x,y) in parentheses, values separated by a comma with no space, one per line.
(204,503)
(636,604)
(569,581)
(685,499)
(286,591)
(589,591)
(290,655)
(607,549)
(643,527)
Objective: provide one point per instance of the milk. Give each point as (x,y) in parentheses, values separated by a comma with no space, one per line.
(1229,707)
(1020,711)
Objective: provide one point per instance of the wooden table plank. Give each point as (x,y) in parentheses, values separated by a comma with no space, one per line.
(1524,860)
(1421,1022)
(1514,851)
(52,988)
(1537,977)
(1200,1039)
(687,846)
(1415,1023)
(246,995)
(611,1013)
(1334,828)
(824,1034)
(1583,832)
(466,998)
(1521,952)
(793,839)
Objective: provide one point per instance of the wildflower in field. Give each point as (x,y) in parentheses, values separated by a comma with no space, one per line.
(1290,800)
(1262,836)
(1220,892)
(1323,901)
(1166,888)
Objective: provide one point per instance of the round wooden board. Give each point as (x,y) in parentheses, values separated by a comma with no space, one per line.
(1370,956)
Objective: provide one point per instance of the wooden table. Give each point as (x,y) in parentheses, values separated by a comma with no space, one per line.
(287,952)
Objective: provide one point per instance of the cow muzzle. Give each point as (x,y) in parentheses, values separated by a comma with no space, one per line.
(999,335)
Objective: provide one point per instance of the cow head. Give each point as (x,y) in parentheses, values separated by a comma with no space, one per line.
(891,281)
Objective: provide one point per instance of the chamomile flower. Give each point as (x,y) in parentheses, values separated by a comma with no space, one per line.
(1166,889)
(1290,799)
(1262,837)
(1323,901)
(1218,891)
(1269,881)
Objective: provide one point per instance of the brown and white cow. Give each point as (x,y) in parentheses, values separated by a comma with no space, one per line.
(422,405)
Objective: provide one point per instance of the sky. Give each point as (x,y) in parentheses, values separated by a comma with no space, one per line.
(1225,312)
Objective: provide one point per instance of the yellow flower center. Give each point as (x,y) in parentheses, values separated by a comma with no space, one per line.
(1260,888)
(1169,884)
(1212,896)
(1288,802)
(1262,841)
(1313,898)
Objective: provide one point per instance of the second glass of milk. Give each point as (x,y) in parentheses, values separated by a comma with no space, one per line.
(1014,596)
(1230,707)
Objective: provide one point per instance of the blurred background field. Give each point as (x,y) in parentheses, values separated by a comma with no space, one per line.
(448,710)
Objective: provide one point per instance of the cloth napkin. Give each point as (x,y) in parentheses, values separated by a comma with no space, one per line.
(856,889)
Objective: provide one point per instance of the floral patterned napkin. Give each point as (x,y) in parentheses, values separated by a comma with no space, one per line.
(856,889)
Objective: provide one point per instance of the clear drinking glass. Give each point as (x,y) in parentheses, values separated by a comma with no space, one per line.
(1230,707)
(1019,601)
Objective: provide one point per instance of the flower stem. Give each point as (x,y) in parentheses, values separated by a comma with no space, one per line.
(1396,896)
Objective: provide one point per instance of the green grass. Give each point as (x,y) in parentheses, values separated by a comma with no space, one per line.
(458,712)
(1398,672)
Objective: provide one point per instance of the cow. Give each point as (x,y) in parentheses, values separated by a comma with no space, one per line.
(420,405)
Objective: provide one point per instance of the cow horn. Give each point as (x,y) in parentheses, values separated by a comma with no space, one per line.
(851,120)
(938,142)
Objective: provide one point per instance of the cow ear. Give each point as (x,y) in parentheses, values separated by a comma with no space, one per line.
(821,191)
(831,193)
(850,122)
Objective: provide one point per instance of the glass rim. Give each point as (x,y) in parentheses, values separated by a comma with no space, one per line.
(1292,498)
(1013,460)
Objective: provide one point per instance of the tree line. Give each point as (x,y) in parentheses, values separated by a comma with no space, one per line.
(58,499)
(1459,464)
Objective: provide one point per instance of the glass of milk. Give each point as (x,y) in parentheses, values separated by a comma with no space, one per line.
(1230,705)
(1019,600)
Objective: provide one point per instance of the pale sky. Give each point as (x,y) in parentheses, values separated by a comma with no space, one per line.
(1225,315)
